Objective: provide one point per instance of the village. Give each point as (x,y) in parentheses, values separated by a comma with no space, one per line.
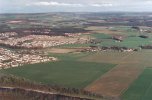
(13,40)
(10,59)
(10,41)
(18,50)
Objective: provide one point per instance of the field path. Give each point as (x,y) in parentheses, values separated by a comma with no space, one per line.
(117,80)
(26,90)
(38,91)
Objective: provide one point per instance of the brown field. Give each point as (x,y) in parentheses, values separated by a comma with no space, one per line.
(100,29)
(106,32)
(117,80)
(107,57)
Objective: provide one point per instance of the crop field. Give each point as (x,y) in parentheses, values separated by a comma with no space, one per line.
(71,56)
(63,73)
(131,40)
(141,89)
(111,54)
(108,73)
(131,36)
(107,57)
(101,36)
(122,30)
(129,66)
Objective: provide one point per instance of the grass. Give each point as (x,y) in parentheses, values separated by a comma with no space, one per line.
(142,57)
(106,57)
(70,56)
(130,42)
(141,89)
(100,36)
(64,73)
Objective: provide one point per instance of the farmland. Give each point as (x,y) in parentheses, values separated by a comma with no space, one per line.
(96,54)
(80,65)
(142,87)
(117,80)
(131,40)
(63,73)
(76,56)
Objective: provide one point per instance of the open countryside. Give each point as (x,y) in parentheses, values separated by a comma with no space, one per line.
(76,56)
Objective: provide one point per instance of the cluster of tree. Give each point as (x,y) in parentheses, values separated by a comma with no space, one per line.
(144,36)
(129,22)
(20,47)
(95,41)
(38,95)
(114,48)
(117,48)
(146,47)
(49,31)
(4,28)
(68,30)
(135,27)
(37,31)
(24,87)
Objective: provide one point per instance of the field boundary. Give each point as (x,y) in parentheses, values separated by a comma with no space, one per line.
(108,71)
(109,84)
(123,91)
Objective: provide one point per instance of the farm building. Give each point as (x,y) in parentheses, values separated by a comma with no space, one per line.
(118,37)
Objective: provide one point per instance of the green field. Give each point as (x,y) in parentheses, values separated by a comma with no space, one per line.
(71,56)
(141,89)
(131,39)
(100,36)
(130,42)
(63,73)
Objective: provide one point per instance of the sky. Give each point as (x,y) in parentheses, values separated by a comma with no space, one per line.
(40,6)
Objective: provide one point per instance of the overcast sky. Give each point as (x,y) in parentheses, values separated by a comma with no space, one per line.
(35,6)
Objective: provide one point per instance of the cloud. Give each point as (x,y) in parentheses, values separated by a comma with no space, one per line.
(102,5)
(75,5)
(148,2)
(52,3)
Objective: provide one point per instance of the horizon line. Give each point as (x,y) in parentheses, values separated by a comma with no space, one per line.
(77,12)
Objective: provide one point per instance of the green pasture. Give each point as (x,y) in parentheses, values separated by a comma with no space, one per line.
(71,56)
(130,42)
(63,73)
(141,89)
